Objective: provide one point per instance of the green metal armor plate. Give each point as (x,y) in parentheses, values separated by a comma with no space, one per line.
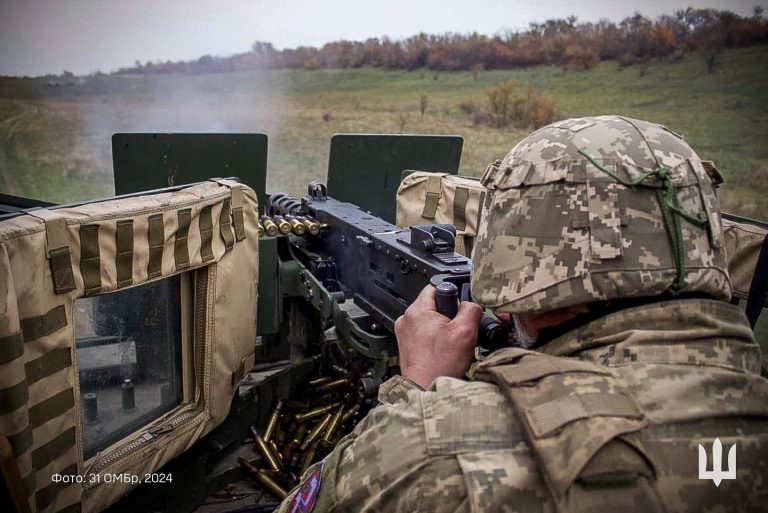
(365,169)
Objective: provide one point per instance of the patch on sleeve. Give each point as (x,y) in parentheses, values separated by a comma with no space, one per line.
(304,499)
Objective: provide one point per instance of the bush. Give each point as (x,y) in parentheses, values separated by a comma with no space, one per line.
(581,56)
(530,108)
(468,108)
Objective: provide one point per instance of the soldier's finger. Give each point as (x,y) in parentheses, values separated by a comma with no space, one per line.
(426,299)
(469,314)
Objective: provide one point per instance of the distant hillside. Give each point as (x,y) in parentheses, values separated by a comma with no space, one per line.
(564,42)
(56,138)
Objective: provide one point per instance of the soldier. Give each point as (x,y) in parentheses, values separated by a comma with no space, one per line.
(631,376)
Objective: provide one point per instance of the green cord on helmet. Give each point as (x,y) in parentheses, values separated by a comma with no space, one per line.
(669,204)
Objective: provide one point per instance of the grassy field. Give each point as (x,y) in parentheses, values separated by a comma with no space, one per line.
(55,141)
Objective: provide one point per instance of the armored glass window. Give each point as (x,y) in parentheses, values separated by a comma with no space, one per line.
(129,360)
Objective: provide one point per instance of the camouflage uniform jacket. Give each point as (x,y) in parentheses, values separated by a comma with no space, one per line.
(613,426)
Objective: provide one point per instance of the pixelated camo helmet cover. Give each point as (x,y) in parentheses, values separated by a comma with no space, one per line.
(591,209)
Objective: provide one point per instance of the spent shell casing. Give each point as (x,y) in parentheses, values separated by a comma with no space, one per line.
(282,225)
(341,370)
(298,436)
(316,412)
(333,385)
(270,228)
(309,456)
(271,485)
(261,230)
(266,452)
(272,445)
(333,425)
(272,422)
(319,381)
(316,431)
(247,466)
(350,413)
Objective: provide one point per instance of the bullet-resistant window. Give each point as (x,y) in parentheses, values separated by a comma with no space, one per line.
(129,360)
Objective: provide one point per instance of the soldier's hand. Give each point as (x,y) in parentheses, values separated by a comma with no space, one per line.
(433,345)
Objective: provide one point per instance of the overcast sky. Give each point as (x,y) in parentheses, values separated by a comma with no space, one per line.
(48,36)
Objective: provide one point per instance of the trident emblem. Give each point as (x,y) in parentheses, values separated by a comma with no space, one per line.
(717,474)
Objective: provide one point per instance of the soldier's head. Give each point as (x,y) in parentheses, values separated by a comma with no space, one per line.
(590,210)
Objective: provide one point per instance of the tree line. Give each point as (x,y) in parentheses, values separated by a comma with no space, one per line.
(566,42)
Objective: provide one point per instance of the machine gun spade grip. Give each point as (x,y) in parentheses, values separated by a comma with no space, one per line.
(447,299)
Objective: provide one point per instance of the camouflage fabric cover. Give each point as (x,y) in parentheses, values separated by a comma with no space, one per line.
(205,233)
(462,446)
(426,198)
(561,224)
(743,242)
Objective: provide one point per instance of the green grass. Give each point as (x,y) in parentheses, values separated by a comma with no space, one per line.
(59,149)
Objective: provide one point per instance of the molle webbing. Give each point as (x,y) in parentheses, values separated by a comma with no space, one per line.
(434,192)
(206,234)
(225,226)
(21,441)
(48,452)
(180,248)
(46,495)
(460,208)
(49,363)
(124,252)
(13,397)
(156,238)
(11,347)
(51,408)
(57,250)
(236,208)
(90,258)
(39,326)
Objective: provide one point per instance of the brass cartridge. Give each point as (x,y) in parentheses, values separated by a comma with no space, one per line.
(266,452)
(297,227)
(312,226)
(350,413)
(333,385)
(271,485)
(263,478)
(298,437)
(307,461)
(270,228)
(272,445)
(273,418)
(333,425)
(316,412)
(282,225)
(316,431)
(319,381)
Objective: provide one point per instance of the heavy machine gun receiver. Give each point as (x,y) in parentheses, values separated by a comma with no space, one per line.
(381,267)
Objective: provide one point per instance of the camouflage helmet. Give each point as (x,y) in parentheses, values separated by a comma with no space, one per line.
(591,209)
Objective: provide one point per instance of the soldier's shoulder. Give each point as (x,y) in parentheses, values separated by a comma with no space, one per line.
(464,416)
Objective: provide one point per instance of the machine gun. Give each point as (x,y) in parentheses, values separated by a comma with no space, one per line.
(381,267)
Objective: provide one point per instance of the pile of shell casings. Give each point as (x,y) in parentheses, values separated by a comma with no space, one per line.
(300,432)
(272,226)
